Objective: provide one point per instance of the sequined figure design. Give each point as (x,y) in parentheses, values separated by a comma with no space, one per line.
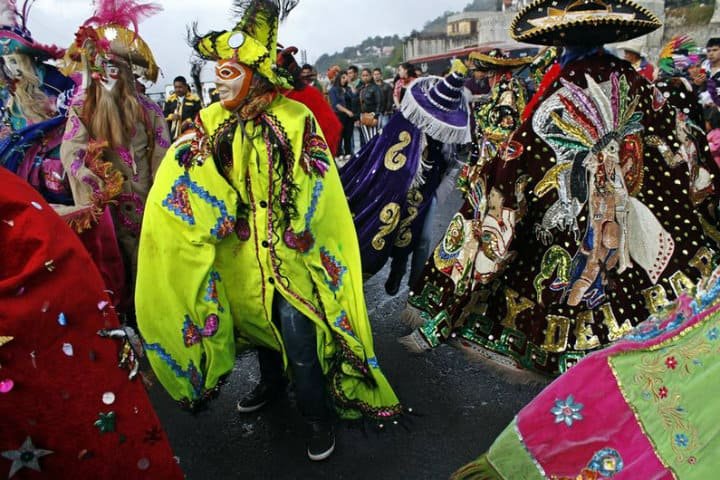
(586,229)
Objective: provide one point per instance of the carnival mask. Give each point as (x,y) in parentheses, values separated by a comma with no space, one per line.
(233,81)
(12,67)
(111,75)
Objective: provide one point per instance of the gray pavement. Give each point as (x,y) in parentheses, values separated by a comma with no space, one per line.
(462,408)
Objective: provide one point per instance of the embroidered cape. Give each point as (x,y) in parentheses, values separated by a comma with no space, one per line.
(240,212)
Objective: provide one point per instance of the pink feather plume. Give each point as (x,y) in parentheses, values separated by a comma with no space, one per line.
(125,13)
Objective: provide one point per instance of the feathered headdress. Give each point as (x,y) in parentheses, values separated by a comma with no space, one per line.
(253,40)
(112,33)
(589,119)
(678,55)
(15,36)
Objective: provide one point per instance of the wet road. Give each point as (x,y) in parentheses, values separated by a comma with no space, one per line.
(463,407)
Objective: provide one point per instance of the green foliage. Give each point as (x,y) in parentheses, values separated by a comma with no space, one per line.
(694,13)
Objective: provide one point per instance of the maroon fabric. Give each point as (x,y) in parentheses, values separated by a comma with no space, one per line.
(102,245)
(45,271)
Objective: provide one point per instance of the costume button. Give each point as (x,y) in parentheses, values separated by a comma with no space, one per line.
(263,204)
(271,280)
(265,244)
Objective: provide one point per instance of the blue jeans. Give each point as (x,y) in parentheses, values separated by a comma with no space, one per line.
(421,252)
(300,340)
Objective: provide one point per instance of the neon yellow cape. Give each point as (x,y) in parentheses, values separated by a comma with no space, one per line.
(215,248)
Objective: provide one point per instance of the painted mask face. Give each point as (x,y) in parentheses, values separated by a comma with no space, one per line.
(111,75)
(233,83)
(12,67)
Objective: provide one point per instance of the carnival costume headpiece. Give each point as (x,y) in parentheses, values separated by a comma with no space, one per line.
(15,36)
(108,35)
(439,107)
(496,60)
(679,54)
(253,40)
(582,22)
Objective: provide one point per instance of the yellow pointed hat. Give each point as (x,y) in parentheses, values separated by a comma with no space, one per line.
(253,41)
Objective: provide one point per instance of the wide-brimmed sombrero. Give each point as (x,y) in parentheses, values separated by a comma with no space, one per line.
(439,106)
(582,22)
(495,59)
(15,36)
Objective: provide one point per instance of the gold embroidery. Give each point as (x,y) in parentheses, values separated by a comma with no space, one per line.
(584,337)
(703,261)
(515,305)
(615,330)
(404,237)
(682,284)
(556,258)
(556,336)
(390,217)
(655,299)
(394,158)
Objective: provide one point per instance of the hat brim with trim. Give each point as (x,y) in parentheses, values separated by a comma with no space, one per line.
(446,124)
(581,22)
(12,41)
(483,61)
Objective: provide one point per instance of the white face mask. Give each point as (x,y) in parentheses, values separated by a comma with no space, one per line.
(111,75)
(12,67)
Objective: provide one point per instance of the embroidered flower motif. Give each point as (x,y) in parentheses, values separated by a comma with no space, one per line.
(192,334)
(671,363)
(567,411)
(343,323)
(334,269)
(663,392)
(713,334)
(681,440)
(607,462)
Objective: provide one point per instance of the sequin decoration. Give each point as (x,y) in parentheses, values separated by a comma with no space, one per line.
(333,268)
(304,241)
(26,456)
(105,422)
(343,323)
(192,334)
(178,203)
(211,293)
(567,411)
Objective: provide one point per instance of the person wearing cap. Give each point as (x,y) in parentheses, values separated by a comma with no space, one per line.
(114,137)
(181,107)
(458,255)
(249,221)
(640,63)
(587,229)
(391,183)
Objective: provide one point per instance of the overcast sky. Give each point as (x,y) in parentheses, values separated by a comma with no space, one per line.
(318,26)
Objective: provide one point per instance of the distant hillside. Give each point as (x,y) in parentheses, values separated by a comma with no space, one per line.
(388,51)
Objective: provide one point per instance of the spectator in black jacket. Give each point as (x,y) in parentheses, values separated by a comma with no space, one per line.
(371,106)
(387,93)
(181,107)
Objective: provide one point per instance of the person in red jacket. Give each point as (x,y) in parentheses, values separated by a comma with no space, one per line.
(312,98)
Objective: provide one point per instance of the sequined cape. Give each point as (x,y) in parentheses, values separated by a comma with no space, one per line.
(638,409)
(241,211)
(542,291)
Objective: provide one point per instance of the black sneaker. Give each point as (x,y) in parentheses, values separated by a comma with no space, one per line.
(261,395)
(322,441)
